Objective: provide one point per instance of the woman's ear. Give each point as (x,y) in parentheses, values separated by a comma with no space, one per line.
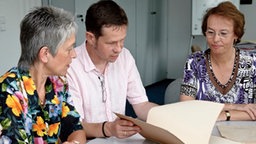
(43,54)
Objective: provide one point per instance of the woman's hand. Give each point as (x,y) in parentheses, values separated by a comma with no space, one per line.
(249,108)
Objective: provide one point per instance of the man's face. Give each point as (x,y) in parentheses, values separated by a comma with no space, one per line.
(110,44)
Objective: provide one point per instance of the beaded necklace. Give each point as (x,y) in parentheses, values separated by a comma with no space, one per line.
(235,66)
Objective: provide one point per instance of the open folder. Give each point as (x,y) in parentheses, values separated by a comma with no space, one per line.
(189,122)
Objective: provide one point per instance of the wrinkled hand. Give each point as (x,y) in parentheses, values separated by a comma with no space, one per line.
(122,128)
(249,108)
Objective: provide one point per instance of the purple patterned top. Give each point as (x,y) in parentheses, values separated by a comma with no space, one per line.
(198,80)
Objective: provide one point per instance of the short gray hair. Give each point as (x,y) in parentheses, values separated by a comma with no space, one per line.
(44,26)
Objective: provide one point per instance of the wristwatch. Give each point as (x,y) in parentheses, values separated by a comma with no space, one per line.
(228,116)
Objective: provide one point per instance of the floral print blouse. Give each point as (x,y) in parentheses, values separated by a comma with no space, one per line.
(199,81)
(24,120)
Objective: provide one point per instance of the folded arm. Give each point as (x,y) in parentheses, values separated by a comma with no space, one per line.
(240,112)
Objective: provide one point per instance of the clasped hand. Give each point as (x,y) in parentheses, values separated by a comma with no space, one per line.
(249,108)
(121,128)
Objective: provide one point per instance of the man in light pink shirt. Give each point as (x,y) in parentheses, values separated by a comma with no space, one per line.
(104,75)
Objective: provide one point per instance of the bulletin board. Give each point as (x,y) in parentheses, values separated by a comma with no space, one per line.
(198,10)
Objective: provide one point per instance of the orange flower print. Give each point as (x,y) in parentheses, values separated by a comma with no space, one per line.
(53,129)
(14,104)
(29,85)
(40,126)
(55,100)
(65,110)
(2,78)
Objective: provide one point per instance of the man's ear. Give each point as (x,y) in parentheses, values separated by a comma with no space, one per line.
(43,54)
(90,37)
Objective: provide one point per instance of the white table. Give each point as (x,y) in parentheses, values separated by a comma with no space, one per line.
(138,139)
(135,139)
(216,132)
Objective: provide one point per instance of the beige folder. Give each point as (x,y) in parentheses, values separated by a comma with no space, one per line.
(189,122)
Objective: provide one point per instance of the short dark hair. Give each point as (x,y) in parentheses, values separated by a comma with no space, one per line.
(104,13)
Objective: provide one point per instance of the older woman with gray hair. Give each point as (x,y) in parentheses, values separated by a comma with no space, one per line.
(35,105)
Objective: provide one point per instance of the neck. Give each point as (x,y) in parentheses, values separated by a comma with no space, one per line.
(39,79)
(224,58)
(99,62)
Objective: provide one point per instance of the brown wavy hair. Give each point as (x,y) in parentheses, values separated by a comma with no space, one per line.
(229,11)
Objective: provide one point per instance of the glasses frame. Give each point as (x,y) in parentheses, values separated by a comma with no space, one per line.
(223,34)
(103,88)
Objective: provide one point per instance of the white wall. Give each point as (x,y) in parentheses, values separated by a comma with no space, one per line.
(179,32)
(250,22)
(179,35)
(146,36)
(11,13)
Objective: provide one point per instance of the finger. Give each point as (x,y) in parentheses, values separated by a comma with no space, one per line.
(130,133)
(122,134)
(251,114)
(253,110)
(131,128)
(126,122)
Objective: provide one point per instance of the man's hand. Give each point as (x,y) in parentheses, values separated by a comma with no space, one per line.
(121,128)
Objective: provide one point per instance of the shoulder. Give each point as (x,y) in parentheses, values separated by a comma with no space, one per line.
(126,55)
(80,50)
(80,57)
(9,82)
(126,52)
(247,55)
(10,75)
(247,52)
(198,56)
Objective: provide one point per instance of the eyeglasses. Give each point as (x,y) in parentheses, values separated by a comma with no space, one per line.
(222,34)
(103,88)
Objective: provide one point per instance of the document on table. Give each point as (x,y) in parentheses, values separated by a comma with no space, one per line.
(182,122)
(220,140)
(239,133)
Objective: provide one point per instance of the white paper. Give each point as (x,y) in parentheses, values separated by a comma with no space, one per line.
(220,140)
(191,121)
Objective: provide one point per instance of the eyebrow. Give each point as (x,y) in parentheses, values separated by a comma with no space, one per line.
(215,30)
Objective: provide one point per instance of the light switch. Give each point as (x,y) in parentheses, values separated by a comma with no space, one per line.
(2,27)
(2,24)
(2,19)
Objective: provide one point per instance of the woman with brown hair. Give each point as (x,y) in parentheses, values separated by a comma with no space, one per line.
(222,73)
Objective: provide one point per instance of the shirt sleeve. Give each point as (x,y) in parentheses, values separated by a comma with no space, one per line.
(136,92)
(11,111)
(190,77)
